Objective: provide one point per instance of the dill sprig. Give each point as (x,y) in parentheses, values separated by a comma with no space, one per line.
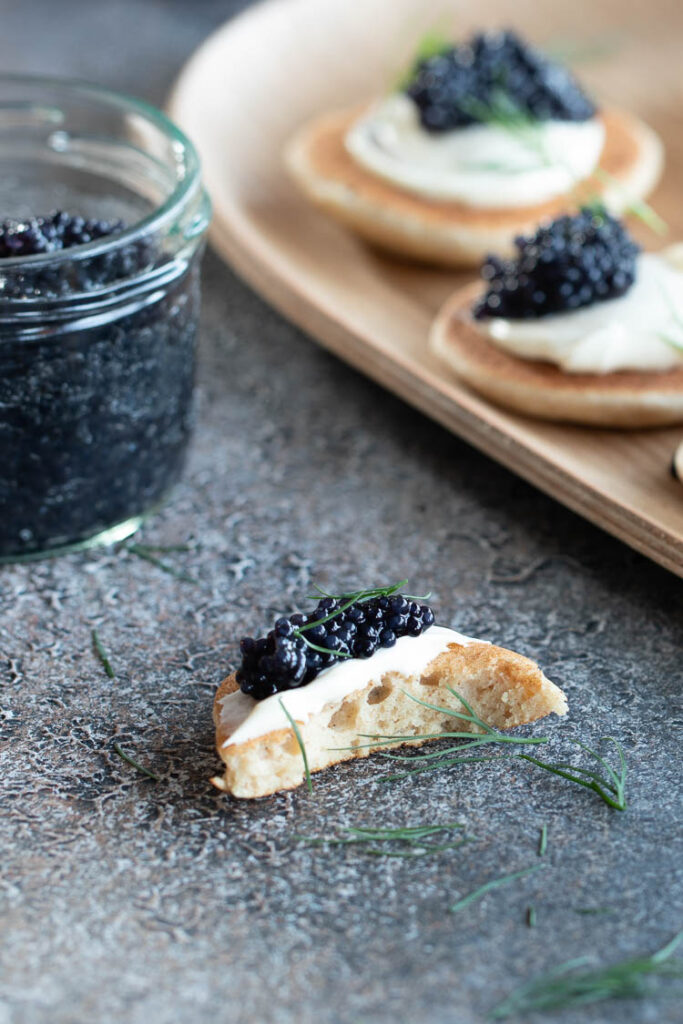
(146,552)
(135,764)
(318,648)
(501,111)
(495,883)
(678,345)
(485,734)
(433,42)
(411,837)
(637,207)
(102,654)
(504,113)
(366,595)
(345,602)
(445,763)
(610,787)
(302,748)
(471,717)
(573,984)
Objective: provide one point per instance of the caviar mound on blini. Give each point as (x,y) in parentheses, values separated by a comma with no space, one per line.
(578,325)
(318,686)
(481,141)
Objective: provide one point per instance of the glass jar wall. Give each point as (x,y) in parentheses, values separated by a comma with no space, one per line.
(97,340)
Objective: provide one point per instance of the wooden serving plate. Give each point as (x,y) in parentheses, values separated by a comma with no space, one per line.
(261,75)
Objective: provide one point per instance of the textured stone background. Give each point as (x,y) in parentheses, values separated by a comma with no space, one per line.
(164,903)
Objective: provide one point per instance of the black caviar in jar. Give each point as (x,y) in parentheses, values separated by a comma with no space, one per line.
(95,414)
(99,306)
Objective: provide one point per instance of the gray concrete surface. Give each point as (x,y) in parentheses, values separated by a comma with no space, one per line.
(163,902)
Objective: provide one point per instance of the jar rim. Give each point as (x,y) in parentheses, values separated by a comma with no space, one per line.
(188,182)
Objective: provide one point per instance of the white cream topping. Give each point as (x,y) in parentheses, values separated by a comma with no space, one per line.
(627,333)
(482,165)
(246,718)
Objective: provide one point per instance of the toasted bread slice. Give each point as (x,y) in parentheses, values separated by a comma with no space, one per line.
(623,399)
(505,689)
(449,233)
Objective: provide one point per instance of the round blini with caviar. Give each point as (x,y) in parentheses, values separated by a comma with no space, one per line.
(578,326)
(451,166)
(677,463)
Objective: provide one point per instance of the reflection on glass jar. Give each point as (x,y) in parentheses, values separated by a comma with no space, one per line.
(97,340)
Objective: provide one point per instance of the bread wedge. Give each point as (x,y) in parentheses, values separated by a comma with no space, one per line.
(622,399)
(450,233)
(505,689)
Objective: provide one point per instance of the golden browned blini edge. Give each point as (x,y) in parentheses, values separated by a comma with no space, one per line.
(535,388)
(450,233)
(505,689)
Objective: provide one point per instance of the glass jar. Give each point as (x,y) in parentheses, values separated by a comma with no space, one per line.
(97,341)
